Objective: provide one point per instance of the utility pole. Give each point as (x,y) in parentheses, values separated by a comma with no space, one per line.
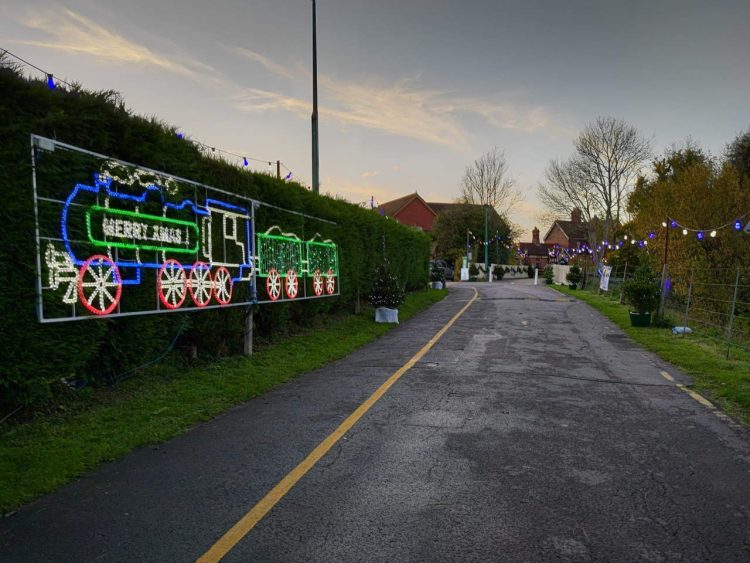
(486,242)
(664,273)
(278,170)
(315,170)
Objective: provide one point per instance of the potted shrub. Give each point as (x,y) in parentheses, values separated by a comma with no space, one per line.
(549,274)
(499,272)
(642,292)
(386,295)
(437,276)
(473,272)
(573,276)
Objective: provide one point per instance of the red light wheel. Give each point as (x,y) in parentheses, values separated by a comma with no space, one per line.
(317,283)
(273,284)
(291,284)
(223,285)
(200,284)
(171,284)
(99,285)
(330,282)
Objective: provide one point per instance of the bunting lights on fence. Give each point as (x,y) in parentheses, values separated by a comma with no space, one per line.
(701,234)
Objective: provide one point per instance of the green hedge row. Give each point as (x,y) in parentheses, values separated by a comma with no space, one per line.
(36,357)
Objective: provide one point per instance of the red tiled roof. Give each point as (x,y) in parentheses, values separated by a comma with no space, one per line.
(571,229)
(391,208)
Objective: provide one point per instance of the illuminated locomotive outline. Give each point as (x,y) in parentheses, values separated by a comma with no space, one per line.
(217,236)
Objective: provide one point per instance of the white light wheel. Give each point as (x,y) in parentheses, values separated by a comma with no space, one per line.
(223,285)
(330,282)
(291,284)
(200,284)
(273,284)
(171,284)
(99,285)
(318,283)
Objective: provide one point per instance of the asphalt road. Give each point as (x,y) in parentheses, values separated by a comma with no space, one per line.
(533,430)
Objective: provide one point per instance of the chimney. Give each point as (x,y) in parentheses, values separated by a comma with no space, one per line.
(576,216)
(535,236)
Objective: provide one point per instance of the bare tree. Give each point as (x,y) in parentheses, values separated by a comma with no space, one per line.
(487,181)
(610,154)
(567,187)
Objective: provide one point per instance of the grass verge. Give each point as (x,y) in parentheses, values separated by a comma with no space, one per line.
(38,456)
(724,381)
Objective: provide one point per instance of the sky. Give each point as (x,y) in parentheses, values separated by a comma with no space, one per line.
(410,91)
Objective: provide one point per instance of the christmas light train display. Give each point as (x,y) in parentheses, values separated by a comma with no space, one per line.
(200,250)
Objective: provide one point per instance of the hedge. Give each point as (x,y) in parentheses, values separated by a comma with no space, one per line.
(36,357)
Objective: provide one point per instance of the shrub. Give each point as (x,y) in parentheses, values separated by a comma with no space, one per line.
(437,273)
(574,275)
(549,274)
(499,273)
(642,290)
(386,289)
(473,270)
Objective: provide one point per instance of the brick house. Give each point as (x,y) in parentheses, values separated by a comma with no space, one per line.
(535,253)
(571,234)
(410,210)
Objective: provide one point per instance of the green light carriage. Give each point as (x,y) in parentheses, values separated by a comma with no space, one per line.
(284,258)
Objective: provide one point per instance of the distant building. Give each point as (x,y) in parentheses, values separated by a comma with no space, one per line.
(562,235)
(410,210)
(571,234)
(535,253)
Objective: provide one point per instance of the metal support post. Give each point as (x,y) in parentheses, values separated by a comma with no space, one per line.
(662,298)
(248,334)
(622,285)
(731,313)
(689,298)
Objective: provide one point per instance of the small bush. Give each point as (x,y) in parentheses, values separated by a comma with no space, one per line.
(549,274)
(473,270)
(386,289)
(574,275)
(499,273)
(642,290)
(437,273)
(530,271)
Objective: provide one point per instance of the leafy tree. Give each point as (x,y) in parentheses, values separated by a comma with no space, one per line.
(450,229)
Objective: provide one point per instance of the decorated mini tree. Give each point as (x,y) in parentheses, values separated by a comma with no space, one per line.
(386,289)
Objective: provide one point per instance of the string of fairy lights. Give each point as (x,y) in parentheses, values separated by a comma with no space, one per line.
(738,224)
(53,83)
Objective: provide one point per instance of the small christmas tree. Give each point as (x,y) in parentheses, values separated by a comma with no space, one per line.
(386,290)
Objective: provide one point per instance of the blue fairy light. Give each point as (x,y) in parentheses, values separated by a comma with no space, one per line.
(737,225)
(244,161)
(51,82)
(700,235)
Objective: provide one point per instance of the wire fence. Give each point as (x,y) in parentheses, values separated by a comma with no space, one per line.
(713,303)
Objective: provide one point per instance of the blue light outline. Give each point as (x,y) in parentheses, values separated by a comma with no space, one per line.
(103,181)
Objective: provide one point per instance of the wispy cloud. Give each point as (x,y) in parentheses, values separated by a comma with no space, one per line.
(402,108)
(370,173)
(69,31)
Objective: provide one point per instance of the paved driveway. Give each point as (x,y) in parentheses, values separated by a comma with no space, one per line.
(533,430)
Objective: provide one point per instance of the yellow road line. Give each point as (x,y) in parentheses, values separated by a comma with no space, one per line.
(257,512)
(697,396)
(666,376)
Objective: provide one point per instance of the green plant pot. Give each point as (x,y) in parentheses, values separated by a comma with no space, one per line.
(640,319)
